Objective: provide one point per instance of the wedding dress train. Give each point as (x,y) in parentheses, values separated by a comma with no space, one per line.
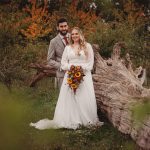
(73,110)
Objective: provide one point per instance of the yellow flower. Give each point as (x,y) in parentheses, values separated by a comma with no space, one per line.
(78,67)
(69,72)
(74,86)
(78,74)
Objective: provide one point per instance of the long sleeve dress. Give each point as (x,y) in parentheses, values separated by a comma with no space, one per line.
(73,110)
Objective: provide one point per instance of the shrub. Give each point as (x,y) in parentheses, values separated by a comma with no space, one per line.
(129,26)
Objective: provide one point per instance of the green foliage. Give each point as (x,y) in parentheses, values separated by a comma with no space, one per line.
(10,56)
(9,39)
(105,9)
(24,105)
(15,57)
(16,52)
(141,111)
(106,36)
(129,26)
(17,110)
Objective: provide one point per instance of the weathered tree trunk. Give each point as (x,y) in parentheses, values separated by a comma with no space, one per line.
(42,71)
(118,88)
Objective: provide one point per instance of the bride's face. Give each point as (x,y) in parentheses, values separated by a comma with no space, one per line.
(75,35)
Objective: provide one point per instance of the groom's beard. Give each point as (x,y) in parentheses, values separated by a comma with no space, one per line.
(63,33)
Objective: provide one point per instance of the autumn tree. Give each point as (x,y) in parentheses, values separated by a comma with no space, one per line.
(38,22)
(85,20)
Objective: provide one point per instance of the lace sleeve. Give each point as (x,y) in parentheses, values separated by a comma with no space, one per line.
(90,60)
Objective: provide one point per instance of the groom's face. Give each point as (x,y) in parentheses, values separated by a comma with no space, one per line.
(63,28)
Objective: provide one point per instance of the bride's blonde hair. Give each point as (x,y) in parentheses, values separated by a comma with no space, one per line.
(82,42)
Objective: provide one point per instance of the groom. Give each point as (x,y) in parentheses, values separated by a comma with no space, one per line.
(56,48)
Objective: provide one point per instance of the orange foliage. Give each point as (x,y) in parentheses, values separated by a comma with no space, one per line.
(85,20)
(39,22)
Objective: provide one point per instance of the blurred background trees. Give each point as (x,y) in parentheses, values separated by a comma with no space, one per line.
(27,26)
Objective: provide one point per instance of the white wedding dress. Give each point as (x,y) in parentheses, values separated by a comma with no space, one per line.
(73,110)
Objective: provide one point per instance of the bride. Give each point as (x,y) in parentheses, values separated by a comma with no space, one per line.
(79,109)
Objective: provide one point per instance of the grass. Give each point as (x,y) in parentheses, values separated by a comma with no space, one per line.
(24,105)
(141,111)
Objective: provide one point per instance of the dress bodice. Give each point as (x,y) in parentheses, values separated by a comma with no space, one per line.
(70,58)
(74,58)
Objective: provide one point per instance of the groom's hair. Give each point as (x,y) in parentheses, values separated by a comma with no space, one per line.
(61,20)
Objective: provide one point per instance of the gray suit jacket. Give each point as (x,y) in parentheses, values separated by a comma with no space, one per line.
(54,56)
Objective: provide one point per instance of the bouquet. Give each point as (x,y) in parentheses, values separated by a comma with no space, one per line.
(75,76)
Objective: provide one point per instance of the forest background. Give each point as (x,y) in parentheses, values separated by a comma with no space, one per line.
(28,26)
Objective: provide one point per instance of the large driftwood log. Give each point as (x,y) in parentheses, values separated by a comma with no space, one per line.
(118,88)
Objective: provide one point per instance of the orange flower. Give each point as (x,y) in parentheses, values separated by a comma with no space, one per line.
(69,80)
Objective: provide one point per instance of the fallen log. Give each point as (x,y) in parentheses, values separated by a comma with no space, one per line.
(42,70)
(118,89)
